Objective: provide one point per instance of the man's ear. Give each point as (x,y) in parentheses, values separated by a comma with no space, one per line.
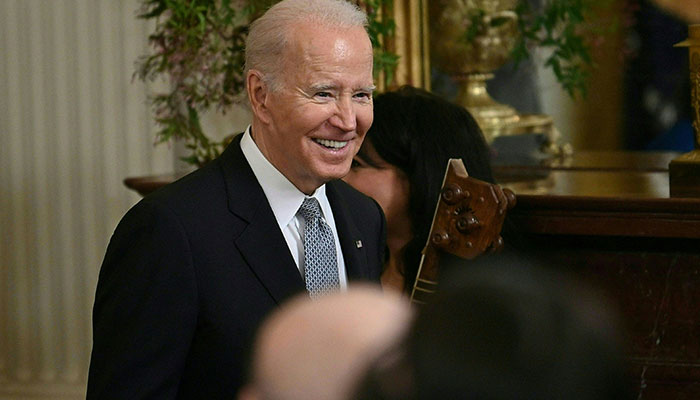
(258,92)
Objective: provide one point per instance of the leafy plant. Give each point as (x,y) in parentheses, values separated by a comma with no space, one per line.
(380,29)
(564,27)
(198,46)
(561,26)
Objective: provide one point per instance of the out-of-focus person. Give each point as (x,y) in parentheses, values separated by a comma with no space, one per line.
(504,329)
(319,349)
(657,111)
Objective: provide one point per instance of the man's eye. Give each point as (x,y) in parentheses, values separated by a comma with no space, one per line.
(323,94)
(363,95)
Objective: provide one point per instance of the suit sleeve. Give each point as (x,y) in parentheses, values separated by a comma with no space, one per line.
(145,310)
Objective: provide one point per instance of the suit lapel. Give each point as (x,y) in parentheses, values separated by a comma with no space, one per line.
(261,243)
(350,237)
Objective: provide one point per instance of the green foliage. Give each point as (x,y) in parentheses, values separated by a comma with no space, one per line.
(559,27)
(198,45)
(380,29)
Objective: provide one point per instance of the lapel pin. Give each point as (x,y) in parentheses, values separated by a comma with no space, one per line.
(358,244)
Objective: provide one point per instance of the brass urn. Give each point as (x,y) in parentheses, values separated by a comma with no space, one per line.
(468,40)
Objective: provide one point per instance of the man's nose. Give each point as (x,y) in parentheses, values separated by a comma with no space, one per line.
(345,117)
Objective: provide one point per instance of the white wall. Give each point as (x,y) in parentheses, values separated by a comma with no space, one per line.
(72,127)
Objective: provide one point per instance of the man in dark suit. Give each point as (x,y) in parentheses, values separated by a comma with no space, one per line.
(192,269)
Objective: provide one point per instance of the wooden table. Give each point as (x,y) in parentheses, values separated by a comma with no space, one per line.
(608,217)
(144,185)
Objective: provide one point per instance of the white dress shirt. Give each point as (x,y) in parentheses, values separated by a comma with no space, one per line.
(285,200)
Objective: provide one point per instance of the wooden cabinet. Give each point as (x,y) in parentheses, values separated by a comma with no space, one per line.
(608,217)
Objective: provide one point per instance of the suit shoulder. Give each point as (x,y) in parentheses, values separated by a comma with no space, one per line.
(200,187)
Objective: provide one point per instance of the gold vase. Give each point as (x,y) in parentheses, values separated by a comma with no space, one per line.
(470,59)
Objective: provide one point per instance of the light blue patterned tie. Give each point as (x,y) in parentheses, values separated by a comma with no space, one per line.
(320,261)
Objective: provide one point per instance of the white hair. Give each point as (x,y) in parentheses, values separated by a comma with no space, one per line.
(268,35)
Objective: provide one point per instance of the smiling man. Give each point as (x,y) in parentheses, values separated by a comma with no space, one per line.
(310,121)
(193,268)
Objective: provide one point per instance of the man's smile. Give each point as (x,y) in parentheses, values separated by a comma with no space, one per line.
(331,144)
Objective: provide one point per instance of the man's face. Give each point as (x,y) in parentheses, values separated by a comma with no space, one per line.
(322,109)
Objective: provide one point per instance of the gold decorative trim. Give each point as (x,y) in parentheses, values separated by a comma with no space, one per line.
(410,44)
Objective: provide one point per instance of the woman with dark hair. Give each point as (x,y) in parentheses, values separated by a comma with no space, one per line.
(402,162)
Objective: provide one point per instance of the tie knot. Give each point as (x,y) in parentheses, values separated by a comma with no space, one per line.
(310,209)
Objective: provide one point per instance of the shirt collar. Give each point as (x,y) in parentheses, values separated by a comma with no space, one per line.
(284,198)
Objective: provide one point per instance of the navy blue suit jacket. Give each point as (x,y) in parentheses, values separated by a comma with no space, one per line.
(191,271)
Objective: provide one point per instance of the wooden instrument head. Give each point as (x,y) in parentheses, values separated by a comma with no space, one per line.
(467,222)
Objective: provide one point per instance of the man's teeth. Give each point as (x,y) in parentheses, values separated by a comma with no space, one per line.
(333,144)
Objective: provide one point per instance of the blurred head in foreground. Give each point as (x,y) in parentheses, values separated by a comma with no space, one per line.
(502,330)
(319,349)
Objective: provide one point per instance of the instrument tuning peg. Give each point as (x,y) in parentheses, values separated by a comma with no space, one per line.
(453,194)
(496,246)
(467,223)
(440,238)
(511,198)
